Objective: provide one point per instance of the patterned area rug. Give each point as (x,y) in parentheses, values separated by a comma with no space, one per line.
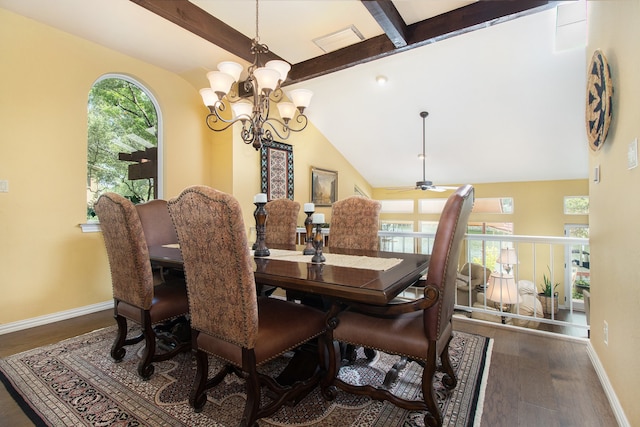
(76,383)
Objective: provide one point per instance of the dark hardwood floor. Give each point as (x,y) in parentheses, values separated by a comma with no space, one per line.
(534,380)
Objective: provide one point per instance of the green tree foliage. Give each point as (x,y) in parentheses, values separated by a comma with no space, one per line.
(577,205)
(121,119)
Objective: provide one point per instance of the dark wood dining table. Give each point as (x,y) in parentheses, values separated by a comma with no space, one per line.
(337,283)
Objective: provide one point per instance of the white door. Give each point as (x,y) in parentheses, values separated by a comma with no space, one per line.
(577,262)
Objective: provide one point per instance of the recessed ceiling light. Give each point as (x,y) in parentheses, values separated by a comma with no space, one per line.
(382,80)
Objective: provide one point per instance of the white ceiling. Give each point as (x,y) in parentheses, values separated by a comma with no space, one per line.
(503,105)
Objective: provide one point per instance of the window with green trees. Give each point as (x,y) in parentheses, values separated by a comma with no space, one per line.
(122,154)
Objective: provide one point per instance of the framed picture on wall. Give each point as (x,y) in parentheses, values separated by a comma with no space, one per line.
(276,170)
(324,186)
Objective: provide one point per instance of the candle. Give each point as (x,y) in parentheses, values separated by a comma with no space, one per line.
(309,207)
(260,198)
(318,218)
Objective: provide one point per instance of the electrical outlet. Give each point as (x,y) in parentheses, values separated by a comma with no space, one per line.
(606,333)
(4,186)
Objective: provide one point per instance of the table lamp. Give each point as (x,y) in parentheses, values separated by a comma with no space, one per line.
(502,290)
(507,258)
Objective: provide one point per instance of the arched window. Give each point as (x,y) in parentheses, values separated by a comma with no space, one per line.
(123,141)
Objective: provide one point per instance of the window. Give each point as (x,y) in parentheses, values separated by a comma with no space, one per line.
(426,243)
(431,206)
(397,243)
(494,205)
(123,141)
(576,205)
(487,252)
(396,206)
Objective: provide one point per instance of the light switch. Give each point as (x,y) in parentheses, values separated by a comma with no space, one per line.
(632,154)
(4,186)
(596,174)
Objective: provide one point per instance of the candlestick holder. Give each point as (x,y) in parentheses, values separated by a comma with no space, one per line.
(308,225)
(255,215)
(260,215)
(318,242)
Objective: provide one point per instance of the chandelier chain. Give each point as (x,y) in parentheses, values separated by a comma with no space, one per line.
(257,34)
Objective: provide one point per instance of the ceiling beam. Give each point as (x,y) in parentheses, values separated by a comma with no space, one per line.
(480,14)
(459,21)
(389,19)
(190,17)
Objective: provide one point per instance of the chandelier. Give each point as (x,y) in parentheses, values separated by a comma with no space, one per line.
(264,85)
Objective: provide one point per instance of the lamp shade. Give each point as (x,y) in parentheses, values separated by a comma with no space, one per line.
(267,78)
(242,108)
(287,110)
(208,97)
(502,289)
(220,82)
(301,97)
(281,67)
(508,256)
(232,68)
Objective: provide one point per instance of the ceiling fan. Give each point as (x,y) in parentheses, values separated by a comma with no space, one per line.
(425,185)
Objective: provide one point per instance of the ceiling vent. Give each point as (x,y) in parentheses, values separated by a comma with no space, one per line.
(339,39)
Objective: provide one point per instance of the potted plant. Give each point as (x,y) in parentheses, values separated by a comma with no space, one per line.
(545,296)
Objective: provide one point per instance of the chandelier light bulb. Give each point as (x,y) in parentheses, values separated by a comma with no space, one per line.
(421,156)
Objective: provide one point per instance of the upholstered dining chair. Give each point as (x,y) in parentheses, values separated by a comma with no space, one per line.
(282,220)
(420,329)
(135,296)
(158,229)
(354,224)
(228,320)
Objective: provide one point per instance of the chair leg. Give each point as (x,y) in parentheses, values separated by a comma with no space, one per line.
(198,397)
(249,417)
(433,418)
(145,367)
(332,363)
(117,349)
(449,379)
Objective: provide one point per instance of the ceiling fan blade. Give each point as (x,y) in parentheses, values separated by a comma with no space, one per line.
(442,188)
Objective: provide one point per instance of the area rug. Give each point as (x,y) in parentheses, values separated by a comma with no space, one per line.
(76,383)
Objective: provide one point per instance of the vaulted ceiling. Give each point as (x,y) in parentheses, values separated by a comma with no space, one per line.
(504,104)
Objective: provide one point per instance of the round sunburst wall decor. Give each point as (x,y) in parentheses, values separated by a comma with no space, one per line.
(599,100)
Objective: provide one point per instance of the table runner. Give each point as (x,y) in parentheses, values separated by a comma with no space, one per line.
(338,260)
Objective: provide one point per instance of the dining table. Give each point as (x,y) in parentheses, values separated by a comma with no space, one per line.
(366,277)
(346,276)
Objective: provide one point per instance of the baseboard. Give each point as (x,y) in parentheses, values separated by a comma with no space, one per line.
(555,335)
(618,412)
(54,317)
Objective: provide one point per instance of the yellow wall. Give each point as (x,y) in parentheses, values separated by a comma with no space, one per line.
(47,265)
(615,205)
(538,206)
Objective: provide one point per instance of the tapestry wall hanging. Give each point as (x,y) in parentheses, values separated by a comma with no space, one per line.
(276,170)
